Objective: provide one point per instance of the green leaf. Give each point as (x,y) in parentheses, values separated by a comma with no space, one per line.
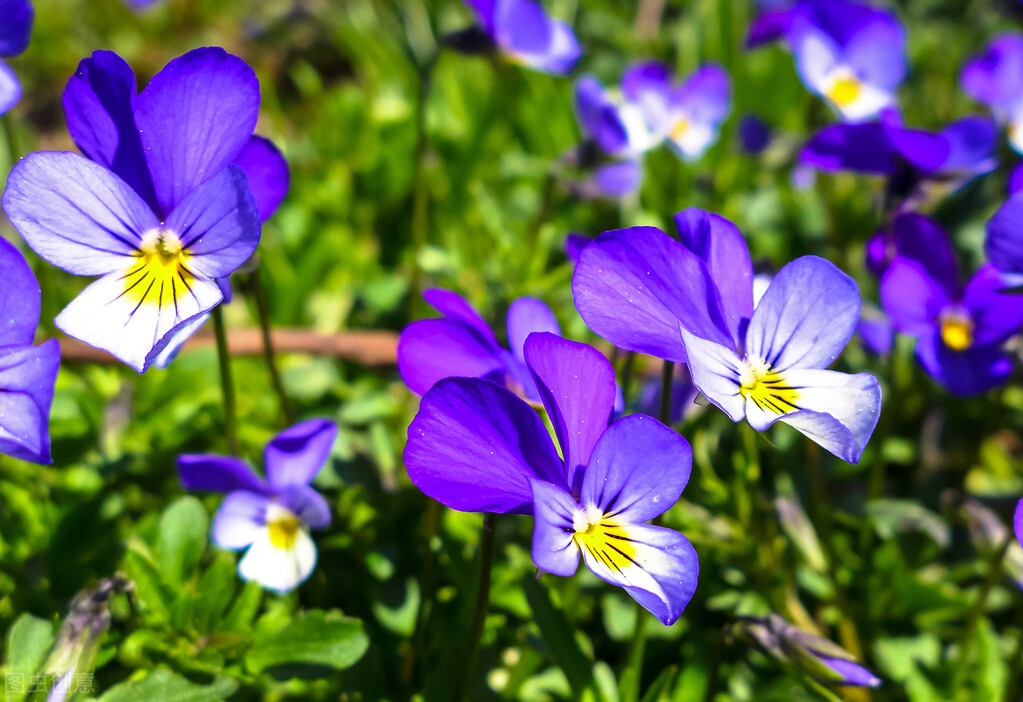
(658,690)
(216,588)
(559,637)
(149,594)
(244,608)
(183,531)
(27,642)
(165,686)
(313,638)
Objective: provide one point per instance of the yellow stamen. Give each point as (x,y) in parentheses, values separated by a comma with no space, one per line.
(284,530)
(680,129)
(606,542)
(160,272)
(844,90)
(768,389)
(957,331)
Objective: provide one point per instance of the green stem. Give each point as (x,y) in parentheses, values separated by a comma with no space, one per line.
(408,665)
(259,293)
(1012,687)
(994,573)
(479,614)
(226,380)
(626,375)
(667,375)
(538,259)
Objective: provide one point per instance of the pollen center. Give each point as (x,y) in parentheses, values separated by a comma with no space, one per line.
(284,530)
(160,272)
(957,331)
(768,389)
(844,90)
(680,129)
(604,540)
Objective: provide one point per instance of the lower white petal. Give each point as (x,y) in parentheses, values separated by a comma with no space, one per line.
(716,371)
(275,568)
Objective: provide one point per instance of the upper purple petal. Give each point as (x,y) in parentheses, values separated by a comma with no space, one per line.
(577,386)
(1004,242)
(484,10)
(911,297)
(706,95)
(521,26)
(525,316)
(634,286)
(195,117)
(433,349)
(451,304)
(297,454)
(475,446)
(16,26)
(995,76)
(918,238)
(767,27)
(19,298)
(268,174)
(645,79)
(864,148)
(27,377)
(877,52)
(214,473)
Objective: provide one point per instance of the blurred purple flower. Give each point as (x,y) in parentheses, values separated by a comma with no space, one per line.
(1015,182)
(639,288)
(27,372)
(16,18)
(913,236)
(1017,522)
(158,209)
(995,78)
(574,244)
(521,31)
(476,447)
(683,393)
(771,22)
(754,134)
(1004,242)
(270,518)
(875,330)
(461,344)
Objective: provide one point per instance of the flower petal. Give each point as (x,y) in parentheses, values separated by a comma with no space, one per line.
(218,223)
(297,454)
(996,315)
(525,316)
(1004,243)
(451,304)
(912,299)
(278,569)
(598,116)
(195,117)
(663,573)
(16,28)
(76,214)
(167,350)
(128,315)
(646,80)
(10,87)
(637,470)
(717,372)
(240,519)
(307,504)
(877,53)
(806,317)
(99,102)
(27,377)
(268,174)
(862,148)
(633,286)
(614,180)
(474,446)
(921,239)
(964,373)
(19,298)
(521,26)
(213,473)
(577,386)
(433,349)
(554,509)
(706,96)
(993,76)
(767,27)
(1017,522)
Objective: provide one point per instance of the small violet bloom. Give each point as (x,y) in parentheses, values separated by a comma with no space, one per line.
(995,78)
(461,344)
(157,206)
(849,53)
(960,330)
(27,372)
(763,360)
(16,18)
(270,518)
(754,134)
(771,22)
(521,31)
(476,447)
(1004,242)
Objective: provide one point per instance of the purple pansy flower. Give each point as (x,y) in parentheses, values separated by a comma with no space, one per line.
(271,518)
(763,360)
(849,53)
(158,209)
(16,18)
(771,22)
(914,236)
(476,447)
(521,31)
(995,78)
(1004,242)
(461,344)
(27,372)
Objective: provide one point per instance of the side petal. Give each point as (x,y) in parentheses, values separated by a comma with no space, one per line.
(209,472)
(218,223)
(128,316)
(996,315)
(577,386)
(525,316)
(598,117)
(99,102)
(19,298)
(722,247)
(717,373)
(633,286)
(637,471)
(275,568)
(1004,242)
(554,549)
(74,213)
(10,88)
(433,349)
(451,304)
(27,377)
(297,454)
(268,174)
(837,410)
(662,570)
(912,299)
(240,520)
(195,117)
(474,446)
(16,28)
(806,317)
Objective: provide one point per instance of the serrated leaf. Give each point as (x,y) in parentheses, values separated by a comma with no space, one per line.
(165,686)
(184,527)
(314,638)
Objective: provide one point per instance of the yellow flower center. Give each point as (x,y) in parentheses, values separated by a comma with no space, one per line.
(284,530)
(605,540)
(680,129)
(844,90)
(957,331)
(768,389)
(159,273)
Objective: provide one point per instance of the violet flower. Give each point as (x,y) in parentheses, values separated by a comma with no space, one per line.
(27,372)
(476,447)
(995,78)
(765,361)
(1004,242)
(771,22)
(16,17)
(160,211)
(271,518)
(461,344)
(522,32)
(1017,522)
